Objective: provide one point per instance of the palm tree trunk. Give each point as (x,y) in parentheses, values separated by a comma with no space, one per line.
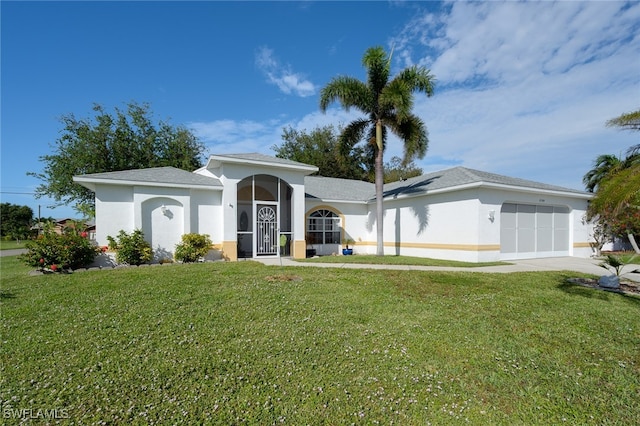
(379,190)
(633,242)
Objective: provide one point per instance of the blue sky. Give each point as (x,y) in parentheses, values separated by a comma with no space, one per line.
(523,89)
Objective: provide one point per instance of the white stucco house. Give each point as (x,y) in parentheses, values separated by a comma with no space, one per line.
(254,205)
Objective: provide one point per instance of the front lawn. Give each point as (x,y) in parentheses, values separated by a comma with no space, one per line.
(230,343)
(11,244)
(371,259)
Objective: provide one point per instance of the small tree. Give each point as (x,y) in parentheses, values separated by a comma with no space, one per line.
(131,249)
(193,247)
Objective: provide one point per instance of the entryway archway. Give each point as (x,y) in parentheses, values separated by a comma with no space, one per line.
(264,217)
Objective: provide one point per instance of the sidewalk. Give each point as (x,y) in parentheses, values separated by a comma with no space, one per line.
(576,264)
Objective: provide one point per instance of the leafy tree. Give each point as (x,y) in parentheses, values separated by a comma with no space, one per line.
(396,170)
(387,105)
(617,186)
(321,149)
(124,140)
(15,220)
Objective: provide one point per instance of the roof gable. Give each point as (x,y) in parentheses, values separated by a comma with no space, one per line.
(255,158)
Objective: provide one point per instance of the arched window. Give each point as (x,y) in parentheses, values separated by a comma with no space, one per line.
(323,227)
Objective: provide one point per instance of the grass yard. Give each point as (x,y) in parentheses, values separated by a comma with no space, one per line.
(230,343)
(370,259)
(11,244)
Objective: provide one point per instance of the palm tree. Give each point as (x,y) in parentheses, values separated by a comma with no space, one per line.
(387,104)
(604,166)
(617,200)
(616,184)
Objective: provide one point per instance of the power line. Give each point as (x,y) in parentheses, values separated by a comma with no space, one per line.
(22,193)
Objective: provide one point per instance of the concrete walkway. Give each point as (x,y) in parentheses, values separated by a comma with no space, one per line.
(12,252)
(577,264)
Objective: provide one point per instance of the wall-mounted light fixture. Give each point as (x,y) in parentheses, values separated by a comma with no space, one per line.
(163,209)
(492,215)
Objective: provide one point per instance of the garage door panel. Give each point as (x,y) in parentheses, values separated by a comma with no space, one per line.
(508,240)
(544,239)
(561,240)
(508,216)
(528,230)
(526,240)
(526,216)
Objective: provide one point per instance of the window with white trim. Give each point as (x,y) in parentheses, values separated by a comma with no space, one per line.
(323,227)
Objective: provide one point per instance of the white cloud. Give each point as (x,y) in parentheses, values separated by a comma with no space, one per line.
(287,81)
(232,137)
(525,88)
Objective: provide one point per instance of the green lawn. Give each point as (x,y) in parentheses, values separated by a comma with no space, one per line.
(370,259)
(230,343)
(11,244)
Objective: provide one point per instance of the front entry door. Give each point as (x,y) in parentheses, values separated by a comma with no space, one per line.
(267,230)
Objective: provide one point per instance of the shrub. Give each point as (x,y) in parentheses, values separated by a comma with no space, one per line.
(131,248)
(67,251)
(193,247)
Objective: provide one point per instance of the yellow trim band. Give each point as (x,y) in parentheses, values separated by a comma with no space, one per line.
(437,246)
(581,245)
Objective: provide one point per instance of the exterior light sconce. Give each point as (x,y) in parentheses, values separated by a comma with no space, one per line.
(492,215)
(163,209)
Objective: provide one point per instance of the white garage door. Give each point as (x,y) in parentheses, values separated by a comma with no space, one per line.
(528,231)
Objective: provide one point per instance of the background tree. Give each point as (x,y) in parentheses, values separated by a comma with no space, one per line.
(127,139)
(15,220)
(387,105)
(616,201)
(321,149)
(396,170)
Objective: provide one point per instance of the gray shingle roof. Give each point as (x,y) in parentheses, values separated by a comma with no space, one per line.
(263,158)
(342,189)
(170,176)
(460,176)
(325,188)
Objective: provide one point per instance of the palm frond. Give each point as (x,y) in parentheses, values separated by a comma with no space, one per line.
(414,134)
(376,61)
(348,91)
(603,166)
(618,191)
(352,134)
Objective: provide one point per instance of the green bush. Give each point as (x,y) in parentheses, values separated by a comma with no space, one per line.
(193,247)
(131,248)
(58,252)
